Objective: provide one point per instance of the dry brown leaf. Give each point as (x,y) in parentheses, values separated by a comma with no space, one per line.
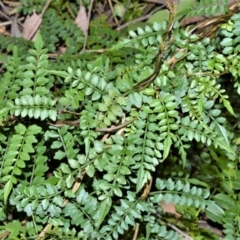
(82,20)
(32,23)
(3,30)
(147,188)
(169,208)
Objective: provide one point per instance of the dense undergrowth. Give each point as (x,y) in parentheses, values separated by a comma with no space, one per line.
(94,145)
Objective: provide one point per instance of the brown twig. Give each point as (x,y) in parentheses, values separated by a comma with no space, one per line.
(143,18)
(136,232)
(112,10)
(114,128)
(62,123)
(89,18)
(157,1)
(181,233)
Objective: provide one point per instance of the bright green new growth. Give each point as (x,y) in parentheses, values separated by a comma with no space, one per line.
(57,167)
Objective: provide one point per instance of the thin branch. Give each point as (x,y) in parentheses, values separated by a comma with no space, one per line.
(140,18)
(89,18)
(112,10)
(157,1)
(114,128)
(126,7)
(187,237)
(136,232)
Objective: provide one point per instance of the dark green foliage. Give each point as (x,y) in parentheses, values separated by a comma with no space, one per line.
(29,6)
(57,28)
(204,7)
(67,165)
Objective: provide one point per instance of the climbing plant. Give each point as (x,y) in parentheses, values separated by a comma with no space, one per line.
(93,145)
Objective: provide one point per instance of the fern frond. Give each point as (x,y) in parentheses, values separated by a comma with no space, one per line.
(123,217)
(213,8)
(19,149)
